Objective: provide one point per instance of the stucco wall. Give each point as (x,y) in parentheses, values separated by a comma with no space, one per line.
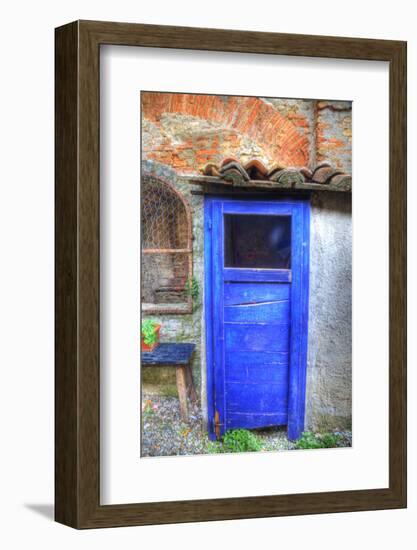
(329,367)
(333,128)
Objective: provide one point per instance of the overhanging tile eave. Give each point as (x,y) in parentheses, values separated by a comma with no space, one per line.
(207,182)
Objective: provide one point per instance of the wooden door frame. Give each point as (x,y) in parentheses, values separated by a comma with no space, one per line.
(299,310)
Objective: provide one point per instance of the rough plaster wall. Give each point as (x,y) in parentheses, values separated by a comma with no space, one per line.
(329,366)
(334,134)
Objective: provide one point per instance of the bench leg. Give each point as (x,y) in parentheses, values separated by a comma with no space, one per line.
(190,384)
(181,374)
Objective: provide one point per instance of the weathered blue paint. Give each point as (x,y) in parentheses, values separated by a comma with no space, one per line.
(257,275)
(263,336)
(299,323)
(257,366)
(253,292)
(208,313)
(250,312)
(168,354)
(256,325)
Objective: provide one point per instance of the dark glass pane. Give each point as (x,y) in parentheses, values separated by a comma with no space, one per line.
(254,241)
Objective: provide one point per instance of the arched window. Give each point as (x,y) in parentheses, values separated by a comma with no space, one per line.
(166,249)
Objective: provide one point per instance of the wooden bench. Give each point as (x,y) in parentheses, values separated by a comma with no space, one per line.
(178,356)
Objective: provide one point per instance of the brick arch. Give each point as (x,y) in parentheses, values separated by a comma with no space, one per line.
(282,140)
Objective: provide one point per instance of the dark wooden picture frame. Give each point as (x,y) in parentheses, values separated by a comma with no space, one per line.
(77,374)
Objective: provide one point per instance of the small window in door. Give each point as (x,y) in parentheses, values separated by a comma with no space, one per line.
(257,241)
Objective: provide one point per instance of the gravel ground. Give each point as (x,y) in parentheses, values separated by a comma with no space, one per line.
(164,434)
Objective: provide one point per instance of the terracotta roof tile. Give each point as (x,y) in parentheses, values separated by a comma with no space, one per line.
(256,170)
(324,174)
(233,172)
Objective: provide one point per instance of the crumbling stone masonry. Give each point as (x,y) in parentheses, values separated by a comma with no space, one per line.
(187,131)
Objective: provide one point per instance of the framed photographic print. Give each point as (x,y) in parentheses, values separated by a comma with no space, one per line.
(230,274)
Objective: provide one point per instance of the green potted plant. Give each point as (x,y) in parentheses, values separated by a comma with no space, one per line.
(150,334)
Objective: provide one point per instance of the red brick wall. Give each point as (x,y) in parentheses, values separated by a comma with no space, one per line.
(187,131)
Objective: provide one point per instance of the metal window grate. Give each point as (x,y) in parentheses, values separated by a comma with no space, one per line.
(166,248)
(164,217)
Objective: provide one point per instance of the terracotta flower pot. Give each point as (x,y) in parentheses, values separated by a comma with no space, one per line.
(146,347)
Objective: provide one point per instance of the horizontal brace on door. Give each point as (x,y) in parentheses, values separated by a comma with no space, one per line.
(257,275)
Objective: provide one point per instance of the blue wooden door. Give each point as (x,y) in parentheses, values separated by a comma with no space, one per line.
(256,298)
